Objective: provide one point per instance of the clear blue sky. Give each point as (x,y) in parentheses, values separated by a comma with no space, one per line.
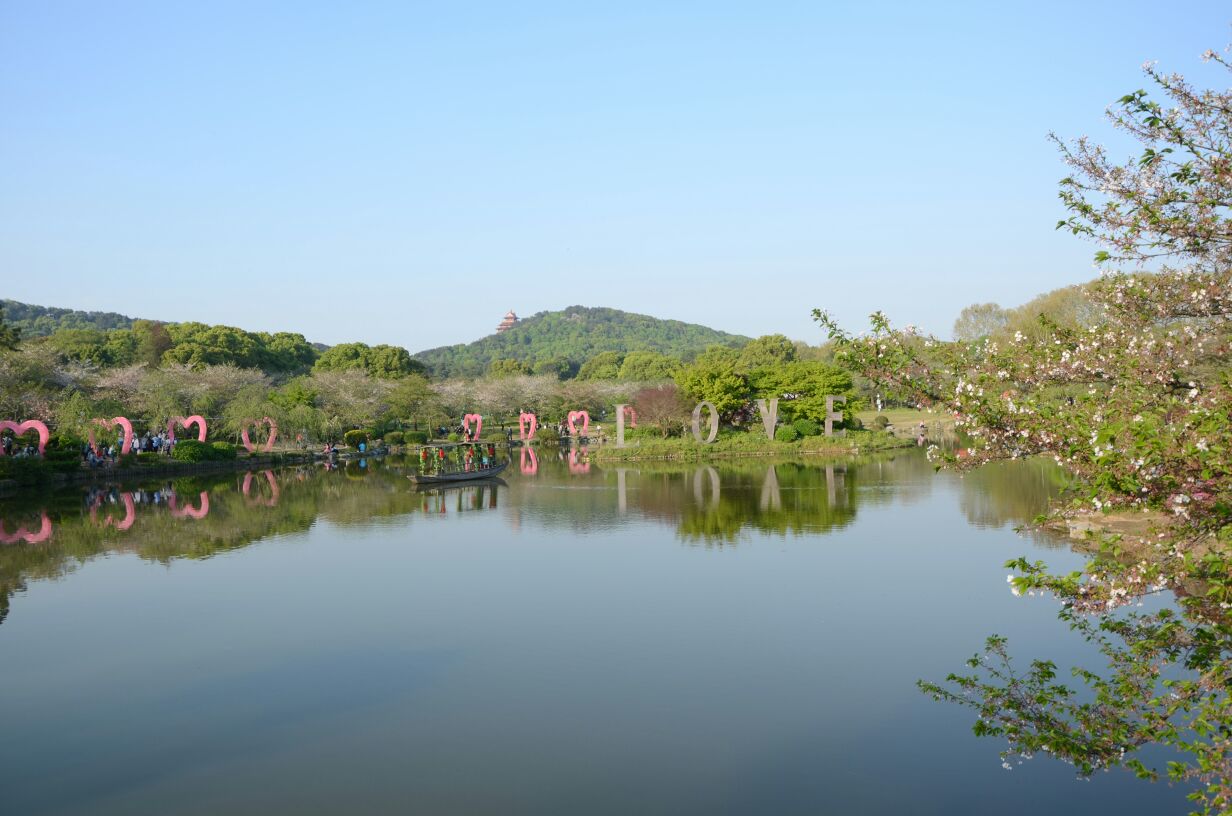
(406,172)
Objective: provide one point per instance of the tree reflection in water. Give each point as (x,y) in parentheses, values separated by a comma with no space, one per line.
(712,504)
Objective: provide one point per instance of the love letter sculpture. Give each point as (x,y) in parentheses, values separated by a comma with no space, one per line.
(576,415)
(199,512)
(124,424)
(20,428)
(249,423)
(466,424)
(184,422)
(22,534)
(525,433)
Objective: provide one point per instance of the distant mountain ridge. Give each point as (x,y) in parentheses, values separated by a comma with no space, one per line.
(40,321)
(573,336)
(556,341)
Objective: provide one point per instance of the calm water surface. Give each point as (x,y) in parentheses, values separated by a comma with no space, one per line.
(739,638)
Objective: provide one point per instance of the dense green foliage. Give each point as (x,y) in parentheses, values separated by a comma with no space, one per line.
(9,335)
(40,321)
(576,334)
(508,367)
(354,438)
(190,450)
(196,344)
(786,433)
(733,380)
(191,344)
(383,361)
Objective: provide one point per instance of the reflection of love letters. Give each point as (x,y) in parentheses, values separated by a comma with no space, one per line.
(530,462)
(21,428)
(254,424)
(124,424)
(246,489)
(130,513)
(22,534)
(576,415)
(184,422)
(199,512)
(466,425)
(527,423)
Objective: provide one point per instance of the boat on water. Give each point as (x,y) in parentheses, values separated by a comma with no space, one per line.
(459,475)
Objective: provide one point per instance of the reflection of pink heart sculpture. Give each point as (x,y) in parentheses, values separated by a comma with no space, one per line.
(22,534)
(124,424)
(20,429)
(576,415)
(184,422)
(576,466)
(525,419)
(273,433)
(130,513)
(466,425)
(631,416)
(246,489)
(190,512)
(530,462)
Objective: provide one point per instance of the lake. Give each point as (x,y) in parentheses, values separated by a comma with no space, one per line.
(734,638)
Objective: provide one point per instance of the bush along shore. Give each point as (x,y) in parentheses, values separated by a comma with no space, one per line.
(62,466)
(738,443)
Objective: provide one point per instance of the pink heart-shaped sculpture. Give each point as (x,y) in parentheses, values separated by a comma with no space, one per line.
(22,534)
(273,433)
(631,416)
(20,428)
(124,424)
(184,422)
(576,415)
(199,512)
(466,424)
(525,419)
(246,489)
(130,513)
(530,462)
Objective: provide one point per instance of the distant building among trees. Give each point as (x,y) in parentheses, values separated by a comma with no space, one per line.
(509,322)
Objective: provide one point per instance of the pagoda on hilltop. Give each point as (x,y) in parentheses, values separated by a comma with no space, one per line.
(508,323)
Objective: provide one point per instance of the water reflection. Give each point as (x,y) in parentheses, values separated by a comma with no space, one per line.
(743,635)
(713,504)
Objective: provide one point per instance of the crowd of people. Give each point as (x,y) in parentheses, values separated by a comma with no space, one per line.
(98,456)
(11,448)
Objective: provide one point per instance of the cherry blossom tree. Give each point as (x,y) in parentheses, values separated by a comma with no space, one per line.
(1137,405)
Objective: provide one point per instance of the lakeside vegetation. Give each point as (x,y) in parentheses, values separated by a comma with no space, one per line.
(1131,397)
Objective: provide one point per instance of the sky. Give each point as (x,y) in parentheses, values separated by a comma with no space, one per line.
(403,172)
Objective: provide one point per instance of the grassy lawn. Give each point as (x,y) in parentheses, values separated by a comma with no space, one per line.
(906,416)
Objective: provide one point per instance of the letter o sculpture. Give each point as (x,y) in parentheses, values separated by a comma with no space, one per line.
(714,422)
(527,424)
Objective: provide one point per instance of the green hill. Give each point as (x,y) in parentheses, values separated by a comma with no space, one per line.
(40,321)
(572,336)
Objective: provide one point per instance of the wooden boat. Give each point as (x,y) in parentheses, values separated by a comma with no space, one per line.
(459,476)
